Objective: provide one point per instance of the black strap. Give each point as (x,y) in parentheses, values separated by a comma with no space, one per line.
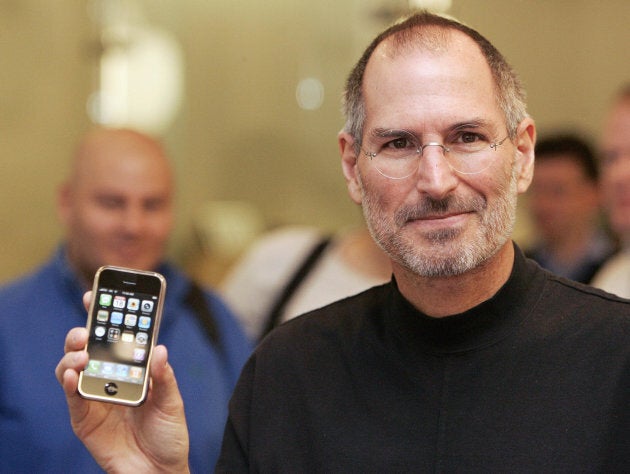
(309,262)
(196,299)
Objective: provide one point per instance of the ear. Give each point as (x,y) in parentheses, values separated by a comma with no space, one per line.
(64,203)
(525,142)
(349,165)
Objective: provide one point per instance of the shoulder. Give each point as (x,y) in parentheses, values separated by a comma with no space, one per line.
(564,288)
(614,275)
(184,291)
(590,311)
(339,324)
(279,249)
(40,279)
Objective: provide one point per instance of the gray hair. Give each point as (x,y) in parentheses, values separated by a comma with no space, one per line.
(430,31)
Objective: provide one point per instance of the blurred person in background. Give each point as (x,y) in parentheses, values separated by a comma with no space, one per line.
(564,200)
(614,276)
(117,209)
(292,270)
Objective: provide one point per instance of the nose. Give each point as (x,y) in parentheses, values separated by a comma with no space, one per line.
(435,176)
(133,221)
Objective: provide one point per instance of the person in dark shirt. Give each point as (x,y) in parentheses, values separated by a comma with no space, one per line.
(565,205)
(472,359)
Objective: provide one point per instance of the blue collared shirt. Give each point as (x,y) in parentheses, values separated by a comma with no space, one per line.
(38,310)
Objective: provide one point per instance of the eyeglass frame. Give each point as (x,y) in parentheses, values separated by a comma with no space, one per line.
(420,150)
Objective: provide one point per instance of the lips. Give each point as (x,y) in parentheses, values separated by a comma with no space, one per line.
(432,217)
(443,211)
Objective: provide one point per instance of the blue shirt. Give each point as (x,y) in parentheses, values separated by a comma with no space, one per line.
(37,311)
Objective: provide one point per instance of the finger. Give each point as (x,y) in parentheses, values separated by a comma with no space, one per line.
(164,390)
(75,358)
(77,406)
(87,299)
(76,339)
(73,361)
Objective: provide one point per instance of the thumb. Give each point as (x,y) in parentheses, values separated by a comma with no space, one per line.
(164,391)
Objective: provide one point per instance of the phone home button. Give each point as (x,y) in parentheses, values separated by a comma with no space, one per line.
(111,388)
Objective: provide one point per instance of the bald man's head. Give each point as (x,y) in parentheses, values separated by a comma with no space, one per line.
(117,202)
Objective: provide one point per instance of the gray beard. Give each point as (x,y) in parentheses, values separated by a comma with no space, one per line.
(449,256)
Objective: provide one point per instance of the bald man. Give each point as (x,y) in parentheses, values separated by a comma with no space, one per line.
(117,208)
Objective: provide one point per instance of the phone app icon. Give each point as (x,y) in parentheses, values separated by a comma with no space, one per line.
(113,334)
(127,337)
(122,370)
(138,354)
(142,338)
(93,367)
(136,372)
(104,299)
(117,317)
(99,331)
(119,301)
(107,368)
(147,306)
(102,316)
(133,304)
(144,322)
(130,319)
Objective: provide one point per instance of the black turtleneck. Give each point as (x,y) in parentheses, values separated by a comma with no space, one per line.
(535,379)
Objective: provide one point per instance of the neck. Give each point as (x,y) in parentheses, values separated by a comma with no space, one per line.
(441,297)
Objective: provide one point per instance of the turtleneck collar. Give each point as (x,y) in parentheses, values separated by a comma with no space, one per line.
(485,324)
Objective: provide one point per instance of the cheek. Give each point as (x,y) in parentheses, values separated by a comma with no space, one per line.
(93,223)
(384,191)
(161,228)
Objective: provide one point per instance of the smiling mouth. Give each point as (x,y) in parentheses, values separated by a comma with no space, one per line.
(443,212)
(447,219)
(432,217)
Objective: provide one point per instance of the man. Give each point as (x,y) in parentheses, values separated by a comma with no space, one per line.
(564,201)
(473,359)
(615,170)
(117,208)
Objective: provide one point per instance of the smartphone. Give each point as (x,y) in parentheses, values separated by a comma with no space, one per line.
(123,322)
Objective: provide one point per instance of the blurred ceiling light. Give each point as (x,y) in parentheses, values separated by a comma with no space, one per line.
(437,6)
(140,78)
(388,11)
(310,93)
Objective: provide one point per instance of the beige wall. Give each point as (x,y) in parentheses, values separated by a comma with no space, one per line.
(240,134)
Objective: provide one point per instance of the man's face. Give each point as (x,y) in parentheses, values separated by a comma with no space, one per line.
(615,169)
(118,210)
(562,198)
(437,222)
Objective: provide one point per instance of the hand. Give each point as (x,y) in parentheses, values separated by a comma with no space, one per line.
(149,438)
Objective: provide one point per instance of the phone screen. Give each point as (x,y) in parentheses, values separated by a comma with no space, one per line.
(123,326)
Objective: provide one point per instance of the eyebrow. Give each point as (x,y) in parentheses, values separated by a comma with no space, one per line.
(475,123)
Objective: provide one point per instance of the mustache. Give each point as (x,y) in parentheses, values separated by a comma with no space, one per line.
(430,207)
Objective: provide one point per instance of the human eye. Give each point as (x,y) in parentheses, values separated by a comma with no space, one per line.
(399,147)
(155,205)
(468,141)
(609,157)
(109,202)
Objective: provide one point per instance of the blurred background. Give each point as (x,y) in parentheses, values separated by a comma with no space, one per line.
(246,95)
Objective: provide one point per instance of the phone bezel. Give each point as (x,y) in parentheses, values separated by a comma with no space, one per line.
(138,281)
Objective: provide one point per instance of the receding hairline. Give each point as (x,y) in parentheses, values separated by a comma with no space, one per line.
(430,38)
(432,32)
(433,40)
